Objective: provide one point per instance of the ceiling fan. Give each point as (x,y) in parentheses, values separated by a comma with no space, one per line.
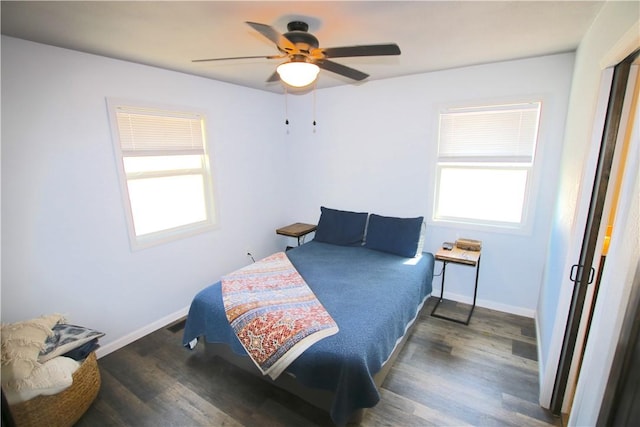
(305,57)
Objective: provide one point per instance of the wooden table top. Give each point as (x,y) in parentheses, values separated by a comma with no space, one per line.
(297,229)
(458,255)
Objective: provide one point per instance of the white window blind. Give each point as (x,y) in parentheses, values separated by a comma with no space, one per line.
(490,134)
(147,132)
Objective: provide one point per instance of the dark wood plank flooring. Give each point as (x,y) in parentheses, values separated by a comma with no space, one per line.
(448,374)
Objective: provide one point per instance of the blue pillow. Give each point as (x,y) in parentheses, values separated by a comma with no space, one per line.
(341,227)
(398,236)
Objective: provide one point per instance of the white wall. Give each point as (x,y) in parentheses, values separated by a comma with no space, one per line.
(64,242)
(374,149)
(64,237)
(616,22)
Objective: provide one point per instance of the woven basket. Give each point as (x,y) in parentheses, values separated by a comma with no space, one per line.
(65,408)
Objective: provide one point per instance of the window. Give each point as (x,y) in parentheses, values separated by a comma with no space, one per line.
(164,171)
(485,162)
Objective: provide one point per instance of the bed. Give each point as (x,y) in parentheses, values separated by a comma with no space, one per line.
(373,295)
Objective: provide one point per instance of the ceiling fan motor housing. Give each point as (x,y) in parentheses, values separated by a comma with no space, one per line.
(297,26)
(298,34)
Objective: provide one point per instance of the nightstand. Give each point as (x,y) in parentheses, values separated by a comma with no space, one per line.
(297,230)
(457,256)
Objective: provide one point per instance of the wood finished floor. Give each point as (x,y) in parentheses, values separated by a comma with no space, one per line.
(484,374)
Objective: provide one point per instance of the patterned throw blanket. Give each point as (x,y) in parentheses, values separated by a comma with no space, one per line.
(274,313)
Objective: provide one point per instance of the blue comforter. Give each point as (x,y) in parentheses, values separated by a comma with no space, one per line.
(373,296)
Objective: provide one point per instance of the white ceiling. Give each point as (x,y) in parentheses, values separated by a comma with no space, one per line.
(433,35)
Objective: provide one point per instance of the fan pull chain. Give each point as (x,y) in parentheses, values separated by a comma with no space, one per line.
(286,109)
(315,87)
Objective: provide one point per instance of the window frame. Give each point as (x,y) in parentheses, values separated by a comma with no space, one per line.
(531,186)
(163,236)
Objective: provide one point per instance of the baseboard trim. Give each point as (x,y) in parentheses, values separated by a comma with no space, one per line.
(492,305)
(145,330)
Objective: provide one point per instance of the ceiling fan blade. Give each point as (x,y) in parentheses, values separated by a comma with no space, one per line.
(240,57)
(275,77)
(343,70)
(364,50)
(283,43)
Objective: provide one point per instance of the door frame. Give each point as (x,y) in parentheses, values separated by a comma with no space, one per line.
(620,278)
(583,272)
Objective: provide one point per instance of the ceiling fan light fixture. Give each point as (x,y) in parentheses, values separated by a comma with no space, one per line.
(297,73)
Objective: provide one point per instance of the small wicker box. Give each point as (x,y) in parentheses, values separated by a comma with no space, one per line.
(65,408)
(469,244)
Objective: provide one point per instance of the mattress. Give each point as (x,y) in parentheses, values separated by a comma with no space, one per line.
(373,296)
